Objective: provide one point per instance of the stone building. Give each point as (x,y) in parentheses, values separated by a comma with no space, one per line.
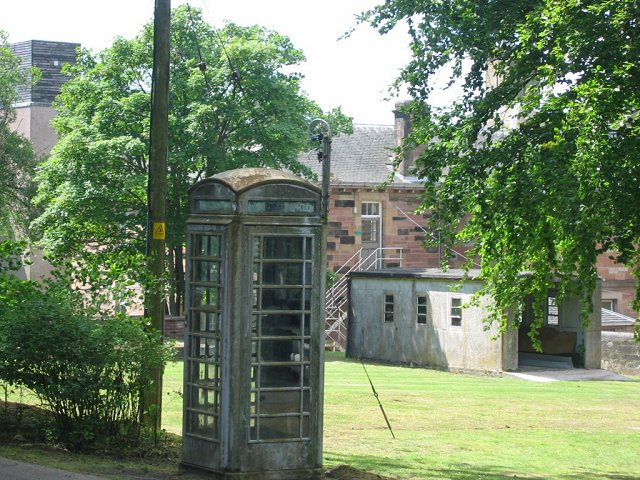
(363,217)
(367,220)
(34,110)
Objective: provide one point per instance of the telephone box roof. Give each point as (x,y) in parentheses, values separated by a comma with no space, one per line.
(241,179)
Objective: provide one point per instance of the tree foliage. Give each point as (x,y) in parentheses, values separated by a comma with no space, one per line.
(89,370)
(235,101)
(536,159)
(17,158)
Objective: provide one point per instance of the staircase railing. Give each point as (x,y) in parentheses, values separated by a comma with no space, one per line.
(337,299)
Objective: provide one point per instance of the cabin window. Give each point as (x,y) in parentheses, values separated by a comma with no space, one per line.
(388,307)
(421,309)
(456,311)
(553,317)
(609,304)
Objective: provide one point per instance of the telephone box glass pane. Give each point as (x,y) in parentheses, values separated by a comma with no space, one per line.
(282,273)
(281,286)
(207,322)
(281,298)
(281,325)
(204,348)
(206,246)
(281,350)
(206,271)
(202,424)
(204,374)
(202,385)
(283,248)
(276,428)
(205,400)
(280,376)
(287,401)
(203,296)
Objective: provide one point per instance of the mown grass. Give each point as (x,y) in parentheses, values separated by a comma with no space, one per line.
(462,427)
(453,426)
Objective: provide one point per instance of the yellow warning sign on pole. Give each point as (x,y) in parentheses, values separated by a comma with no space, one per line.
(159,230)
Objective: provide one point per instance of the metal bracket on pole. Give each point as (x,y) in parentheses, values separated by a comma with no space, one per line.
(324,156)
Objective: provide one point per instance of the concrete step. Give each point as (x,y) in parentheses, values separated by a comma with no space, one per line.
(542,360)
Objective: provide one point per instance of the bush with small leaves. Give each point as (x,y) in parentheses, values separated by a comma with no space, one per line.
(88,370)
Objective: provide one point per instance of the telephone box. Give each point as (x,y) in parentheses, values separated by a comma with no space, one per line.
(254,337)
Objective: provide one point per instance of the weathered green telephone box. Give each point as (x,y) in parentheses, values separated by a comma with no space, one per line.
(254,339)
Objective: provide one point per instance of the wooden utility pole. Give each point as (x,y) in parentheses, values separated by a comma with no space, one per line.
(157,191)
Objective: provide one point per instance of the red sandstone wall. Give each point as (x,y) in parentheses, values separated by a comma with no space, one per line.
(344,226)
(344,238)
(618,284)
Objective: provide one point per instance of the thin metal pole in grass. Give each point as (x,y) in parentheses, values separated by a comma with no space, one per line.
(375,394)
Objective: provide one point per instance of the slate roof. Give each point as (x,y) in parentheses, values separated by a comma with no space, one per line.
(363,157)
(48,57)
(615,319)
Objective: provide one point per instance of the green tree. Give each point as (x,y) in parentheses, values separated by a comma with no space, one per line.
(17,158)
(536,160)
(87,368)
(235,101)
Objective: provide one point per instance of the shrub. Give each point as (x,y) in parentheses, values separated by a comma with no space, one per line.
(90,372)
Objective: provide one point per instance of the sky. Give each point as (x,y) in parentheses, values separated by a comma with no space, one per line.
(353,73)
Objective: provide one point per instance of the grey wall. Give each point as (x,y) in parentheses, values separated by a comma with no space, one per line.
(472,346)
(620,353)
(436,343)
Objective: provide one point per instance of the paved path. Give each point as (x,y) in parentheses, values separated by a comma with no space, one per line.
(14,470)
(569,374)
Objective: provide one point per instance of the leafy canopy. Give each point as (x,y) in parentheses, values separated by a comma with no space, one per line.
(17,158)
(536,160)
(235,101)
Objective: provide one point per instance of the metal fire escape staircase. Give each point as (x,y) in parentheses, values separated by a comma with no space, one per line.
(337,297)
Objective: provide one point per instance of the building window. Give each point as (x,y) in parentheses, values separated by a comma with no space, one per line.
(553,317)
(371,224)
(609,304)
(421,310)
(456,311)
(388,307)
(370,209)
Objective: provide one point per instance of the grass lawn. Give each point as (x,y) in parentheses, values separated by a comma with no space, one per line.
(466,427)
(451,426)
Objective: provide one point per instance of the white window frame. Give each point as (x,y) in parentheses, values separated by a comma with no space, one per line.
(424,316)
(455,311)
(552,311)
(386,313)
(367,216)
